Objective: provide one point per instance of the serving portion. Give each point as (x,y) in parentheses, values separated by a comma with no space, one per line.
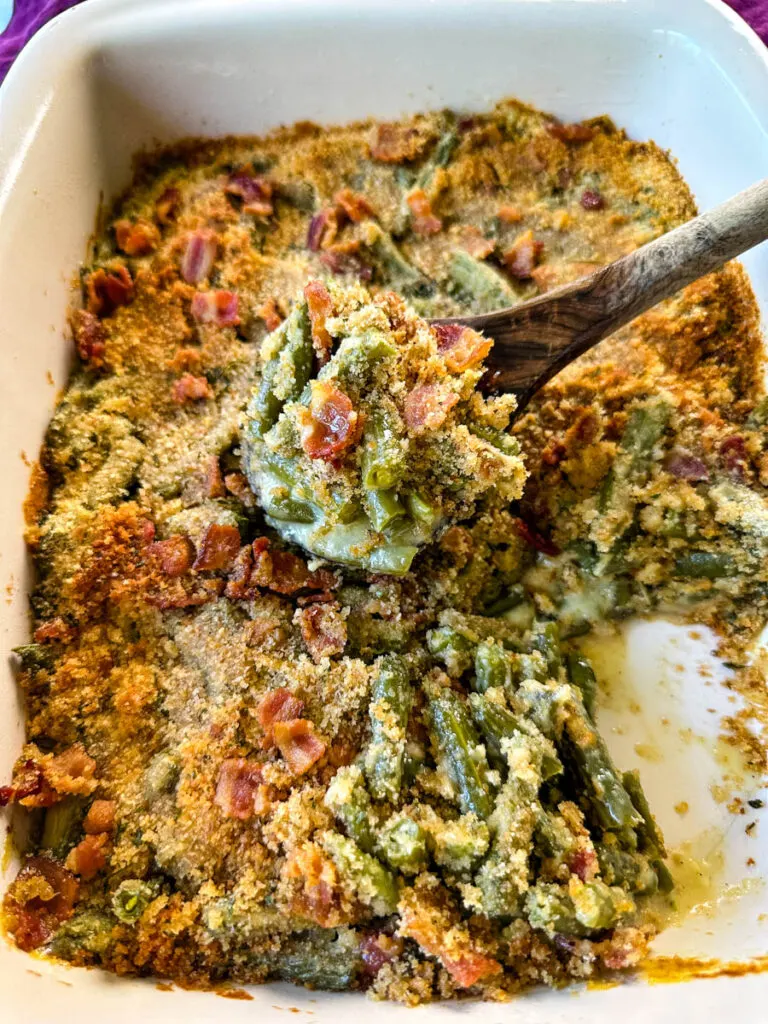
(374,765)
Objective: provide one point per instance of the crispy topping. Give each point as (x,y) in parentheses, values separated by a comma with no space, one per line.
(320,308)
(167,206)
(40,898)
(136,238)
(189,388)
(427,407)
(319,898)
(271,314)
(89,857)
(100,817)
(576,132)
(323,629)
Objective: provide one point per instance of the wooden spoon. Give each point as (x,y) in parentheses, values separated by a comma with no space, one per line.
(535,340)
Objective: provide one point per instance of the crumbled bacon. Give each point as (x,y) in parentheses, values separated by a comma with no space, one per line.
(44,781)
(535,539)
(41,897)
(166,207)
(28,782)
(88,334)
(323,629)
(320,307)
(686,466)
(427,406)
(347,260)
(378,949)
(330,426)
(355,206)
(218,549)
(430,930)
(271,314)
(460,346)
(198,256)
(467,970)
(176,594)
(521,259)
(323,229)
(213,481)
(241,791)
(280,571)
(189,388)
(584,863)
(320,896)
(475,242)
(395,143)
(216,307)
(510,214)
(54,631)
(100,817)
(571,132)
(176,555)
(255,192)
(136,238)
(108,289)
(591,200)
(89,856)
(237,484)
(298,743)
(278,705)
(734,456)
(423,220)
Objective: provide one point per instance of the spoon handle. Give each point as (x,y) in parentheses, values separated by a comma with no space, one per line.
(535,341)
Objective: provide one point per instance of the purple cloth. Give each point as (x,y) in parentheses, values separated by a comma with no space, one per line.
(29,15)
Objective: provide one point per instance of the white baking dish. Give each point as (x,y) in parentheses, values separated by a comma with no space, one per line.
(112,76)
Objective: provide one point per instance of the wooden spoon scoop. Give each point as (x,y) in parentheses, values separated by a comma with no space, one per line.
(535,340)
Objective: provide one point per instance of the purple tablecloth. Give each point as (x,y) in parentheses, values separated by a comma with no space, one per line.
(29,15)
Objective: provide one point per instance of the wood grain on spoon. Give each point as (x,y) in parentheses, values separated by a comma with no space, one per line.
(536,339)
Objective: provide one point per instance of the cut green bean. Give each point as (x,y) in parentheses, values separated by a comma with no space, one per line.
(403,845)
(349,801)
(383,458)
(34,657)
(492,667)
(400,275)
(327,959)
(422,510)
(371,882)
(631,871)
(383,508)
(161,776)
(62,825)
(485,285)
(89,930)
(288,509)
(705,565)
(513,597)
(391,698)
(583,678)
(461,752)
(131,899)
(496,724)
(452,648)
(458,845)
(649,831)
(505,443)
(546,640)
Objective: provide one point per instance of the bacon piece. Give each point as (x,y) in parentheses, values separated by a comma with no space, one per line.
(41,897)
(510,214)
(216,307)
(176,594)
(89,856)
(190,389)
(28,786)
(347,260)
(584,864)
(100,817)
(330,426)
(430,928)
(460,346)
(176,555)
(54,631)
(686,466)
(88,335)
(355,206)
(592,200)
(255,192)
(475,242)
(278,705)
(323,629)
(299,744)
(467,970)
(734,456)
(108,289)
(427,406)
(271,314)
(523,257)
(423,220)
(237,484)
(320,307)
(218,548)
(535,539)
(378,949)
(240,789)
(320,895)
(213,481)
(323,228)
(280,571)
(136,238)
(576,132)
(167,206)
(198,256)
(395,143)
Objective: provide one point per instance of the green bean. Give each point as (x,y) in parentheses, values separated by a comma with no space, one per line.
(441,157)
(394,559)
(327,959)
(542,703)
(546,640)
(403,845)
(492,667)
(373,885)
(759,415)
(288,509)
(131,899)
(422,510)
(462,753)
(532,666)
(62,825)
(583,678)
(348,798)
(394,268)
(645,428)
(500,439)
(514,596)
(34,657)
(391,698)
(631,871)
(480,282)
(665,880)
(607,795)
(458,845)
(594,905)
(496,724)
(705,565)
(383,461)
(648,832)
(89,930)
(584,553)
(383,508)
(295,351)
(452,648)
(549,908)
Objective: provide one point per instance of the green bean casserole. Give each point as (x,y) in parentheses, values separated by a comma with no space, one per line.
(305,698)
